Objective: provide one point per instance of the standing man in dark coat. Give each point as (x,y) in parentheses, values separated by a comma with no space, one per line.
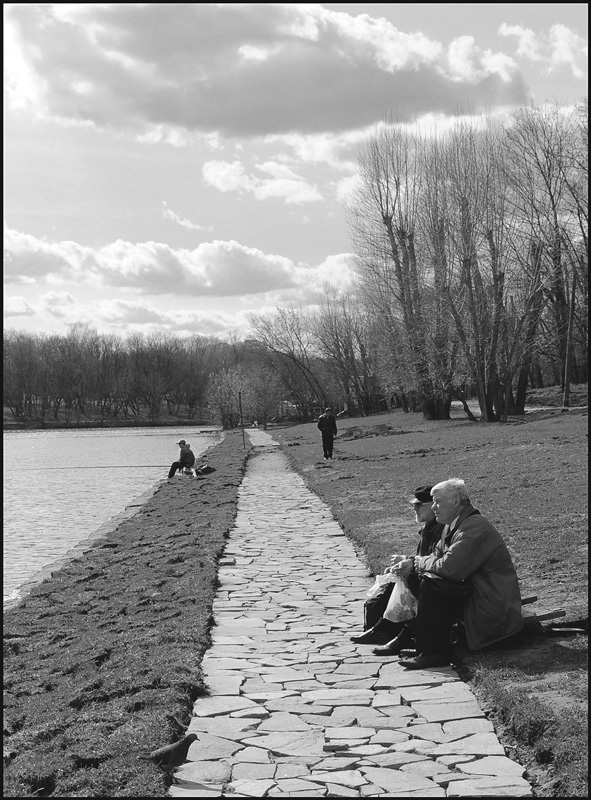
(328,428)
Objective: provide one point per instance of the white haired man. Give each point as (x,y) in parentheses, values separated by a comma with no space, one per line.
(469,576)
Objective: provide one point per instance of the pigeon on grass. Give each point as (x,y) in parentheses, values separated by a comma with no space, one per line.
(171,756)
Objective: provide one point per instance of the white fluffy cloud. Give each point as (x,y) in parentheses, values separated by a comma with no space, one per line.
(168,213)
(17,306)
(560,48)
(125,315)
(243,70)
(224,269)
(283,183)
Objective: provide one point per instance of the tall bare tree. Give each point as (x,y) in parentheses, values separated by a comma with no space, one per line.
(384,220)
(288,336)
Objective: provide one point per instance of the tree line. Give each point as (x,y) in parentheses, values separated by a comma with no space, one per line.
(87,376)
(472,251)
(471,258)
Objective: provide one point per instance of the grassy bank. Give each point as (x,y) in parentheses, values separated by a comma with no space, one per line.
(529,477)
(102,660)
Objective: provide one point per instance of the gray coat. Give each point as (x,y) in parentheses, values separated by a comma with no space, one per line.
(474,551)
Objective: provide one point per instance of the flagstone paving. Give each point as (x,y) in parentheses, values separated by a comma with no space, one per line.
(295,708)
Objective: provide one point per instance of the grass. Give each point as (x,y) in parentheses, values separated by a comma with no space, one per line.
(557,741)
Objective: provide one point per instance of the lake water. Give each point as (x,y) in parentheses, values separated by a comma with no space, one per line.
(63,487)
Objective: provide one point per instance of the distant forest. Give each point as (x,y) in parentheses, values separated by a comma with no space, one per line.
(471,252)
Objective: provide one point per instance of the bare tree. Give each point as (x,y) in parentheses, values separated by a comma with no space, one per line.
(287,335)
(222,396)
(544,173)
(344,334)
(262,395)
(384,219)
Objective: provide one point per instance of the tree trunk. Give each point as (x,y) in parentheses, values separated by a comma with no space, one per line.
(436,408)
(569,336)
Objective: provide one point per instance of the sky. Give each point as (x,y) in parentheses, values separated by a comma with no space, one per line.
(178,167)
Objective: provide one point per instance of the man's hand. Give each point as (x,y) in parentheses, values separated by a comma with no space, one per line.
(403,568)
(418,562)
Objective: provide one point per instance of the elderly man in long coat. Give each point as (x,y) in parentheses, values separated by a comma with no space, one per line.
(470,575)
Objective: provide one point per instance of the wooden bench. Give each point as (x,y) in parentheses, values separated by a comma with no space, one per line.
(529,615)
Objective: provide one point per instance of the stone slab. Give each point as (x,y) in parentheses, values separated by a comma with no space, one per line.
(394,780)
(221,704)
(218,772)
(445,712)
(490,787)
(248,770)
(346,777)
(284,721)
(194,790)
(251,788)
(289,744)
(479,744)
(212,748)
(494,765)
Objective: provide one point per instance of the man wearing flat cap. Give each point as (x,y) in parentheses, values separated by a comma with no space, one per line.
(396,635)
(186,458)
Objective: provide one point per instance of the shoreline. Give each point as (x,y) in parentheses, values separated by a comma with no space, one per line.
(103,656)
(101,424)
(103,531)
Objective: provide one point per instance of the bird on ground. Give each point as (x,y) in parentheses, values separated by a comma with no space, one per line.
(171,756)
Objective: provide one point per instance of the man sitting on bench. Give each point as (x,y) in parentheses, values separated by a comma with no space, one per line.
(469,575)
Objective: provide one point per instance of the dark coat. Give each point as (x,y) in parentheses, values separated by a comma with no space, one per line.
(474,551)
(430,536)
(327,425)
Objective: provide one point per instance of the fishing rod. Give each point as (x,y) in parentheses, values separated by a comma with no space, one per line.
(115,466)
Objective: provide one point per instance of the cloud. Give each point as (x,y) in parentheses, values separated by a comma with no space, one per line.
(142,316)
(168,213)
(28,259)
(139,316)
(558,49)
(62,306)
(213,269)
(335,150)
(569,50)
(162,71)
(283,184)
(17,306)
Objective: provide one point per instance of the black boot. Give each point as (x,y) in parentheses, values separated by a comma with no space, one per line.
(394,646)
(382,632)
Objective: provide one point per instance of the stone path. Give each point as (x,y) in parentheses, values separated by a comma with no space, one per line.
(295,708)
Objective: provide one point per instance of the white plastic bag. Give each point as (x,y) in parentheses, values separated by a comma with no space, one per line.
(402,604)
(381,580)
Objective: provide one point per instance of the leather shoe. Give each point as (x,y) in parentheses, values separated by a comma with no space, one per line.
(394,646)
(369,637)
(426,661)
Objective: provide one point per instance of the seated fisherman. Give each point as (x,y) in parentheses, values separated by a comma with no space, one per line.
(470,575)
(186,458)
